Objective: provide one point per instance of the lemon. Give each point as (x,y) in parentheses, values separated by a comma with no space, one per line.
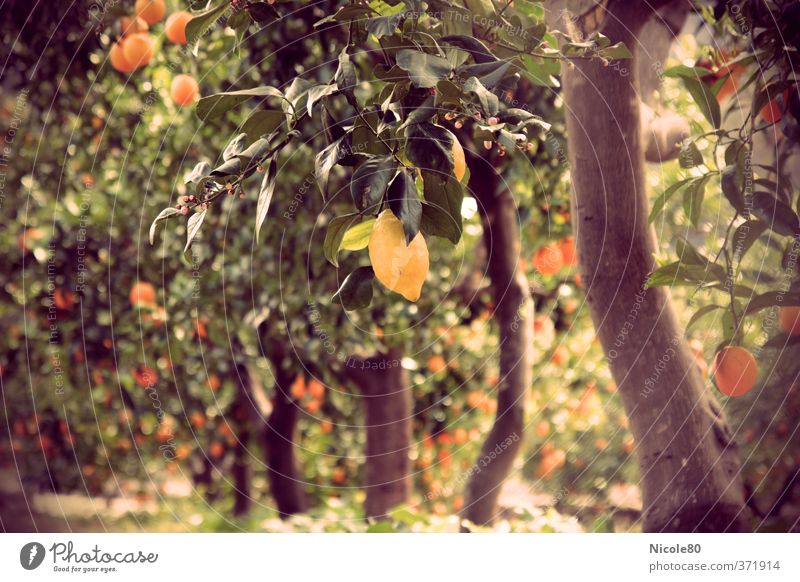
(459,160)
(401,268)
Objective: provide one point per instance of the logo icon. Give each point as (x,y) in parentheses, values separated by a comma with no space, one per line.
(31,555)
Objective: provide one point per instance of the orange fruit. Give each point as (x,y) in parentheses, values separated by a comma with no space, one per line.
(143,294)
(548,260)
(474,399)
(326,426)
(118,60)
(772,111)
(151,11)
(459,160)
(560,356)
(175,27)
(216,449)
(437,364)
(460,436)
(184,90)
(339,476)
(316,389)
(542,429)
(138,49)
(197,419)
(313,406)
(567,247)
(132,25)
(63,300)
(789,318)
(145,376)
(298,387)
(734,370)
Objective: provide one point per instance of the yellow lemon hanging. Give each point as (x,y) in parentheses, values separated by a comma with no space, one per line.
(401,268)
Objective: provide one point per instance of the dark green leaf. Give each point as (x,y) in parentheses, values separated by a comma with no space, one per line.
(382,26)
(370,181)
(693,198)
(731,189)
(441,213)
(327,159)
(490,74)
(265,194)
(335,235)
(163,215)
(430,147)
(688,72)
(690,155)
(700,313)
(405,203)
(488,100)
(232,167)
(705,99)
(772,299)
(477,50)
(345,78)
(263,122)
(688,254)
(202,21)
(214,106)
(356,289)
(662,199)
(193,227)
(745,235)
(235,146)
(200,171)
(778,216)
(425,70)
(316,93)
(262,12)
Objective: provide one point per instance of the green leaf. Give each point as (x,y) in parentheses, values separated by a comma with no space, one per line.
(163,215)
(316,93)
(690,155)
(193,227)
(479,52)
(356,289)
(381,527)
(405,203)
(681,71)
(664,197)
(345,78)
(772,299)
(616,51)
(200,171)
(779,216)
(370,181)
(490,74)
(705,100)
(679,273)
(700,313)
(263,122)
(425,70)
(201,22)
(357,236)
(693,198)
(541,72)
(688,254)
(327,159)
(265,194)
(216,105)
(334,236)
(731,188)
(430,147)
(488,100)
(441,213)
(745,236)
(382,26)
(234,147)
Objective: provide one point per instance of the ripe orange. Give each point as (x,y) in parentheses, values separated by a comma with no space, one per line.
(151,11)
(175,27)
(316,389)
(548,260)
(132,25)
(63,299)
(339,476)
(313,406)
(735,371)
(567,247)
(789,318)
(184,90)
(437,364)
(216,449)
(542,429)
(298,388)
(143,294)
(326,426)
(459,160)
(460,436)
(560,356)
(550,462)
(145,376)
(138,49)
(117,57)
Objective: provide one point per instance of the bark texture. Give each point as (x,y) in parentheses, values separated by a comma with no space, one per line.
(387,409)
(689,468)
(514,317)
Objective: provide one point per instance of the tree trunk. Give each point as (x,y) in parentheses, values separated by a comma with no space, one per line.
(387,406)
(280,432)
(514,317)
(241,467)
(689,468)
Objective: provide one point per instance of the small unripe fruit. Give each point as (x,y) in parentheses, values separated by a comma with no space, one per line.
(185,210)
(493,121)
(487,145)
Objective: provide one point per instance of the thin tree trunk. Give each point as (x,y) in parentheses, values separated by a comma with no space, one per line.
(689,467)
(387,406)
(241,467)
(280,434)
(514,317)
